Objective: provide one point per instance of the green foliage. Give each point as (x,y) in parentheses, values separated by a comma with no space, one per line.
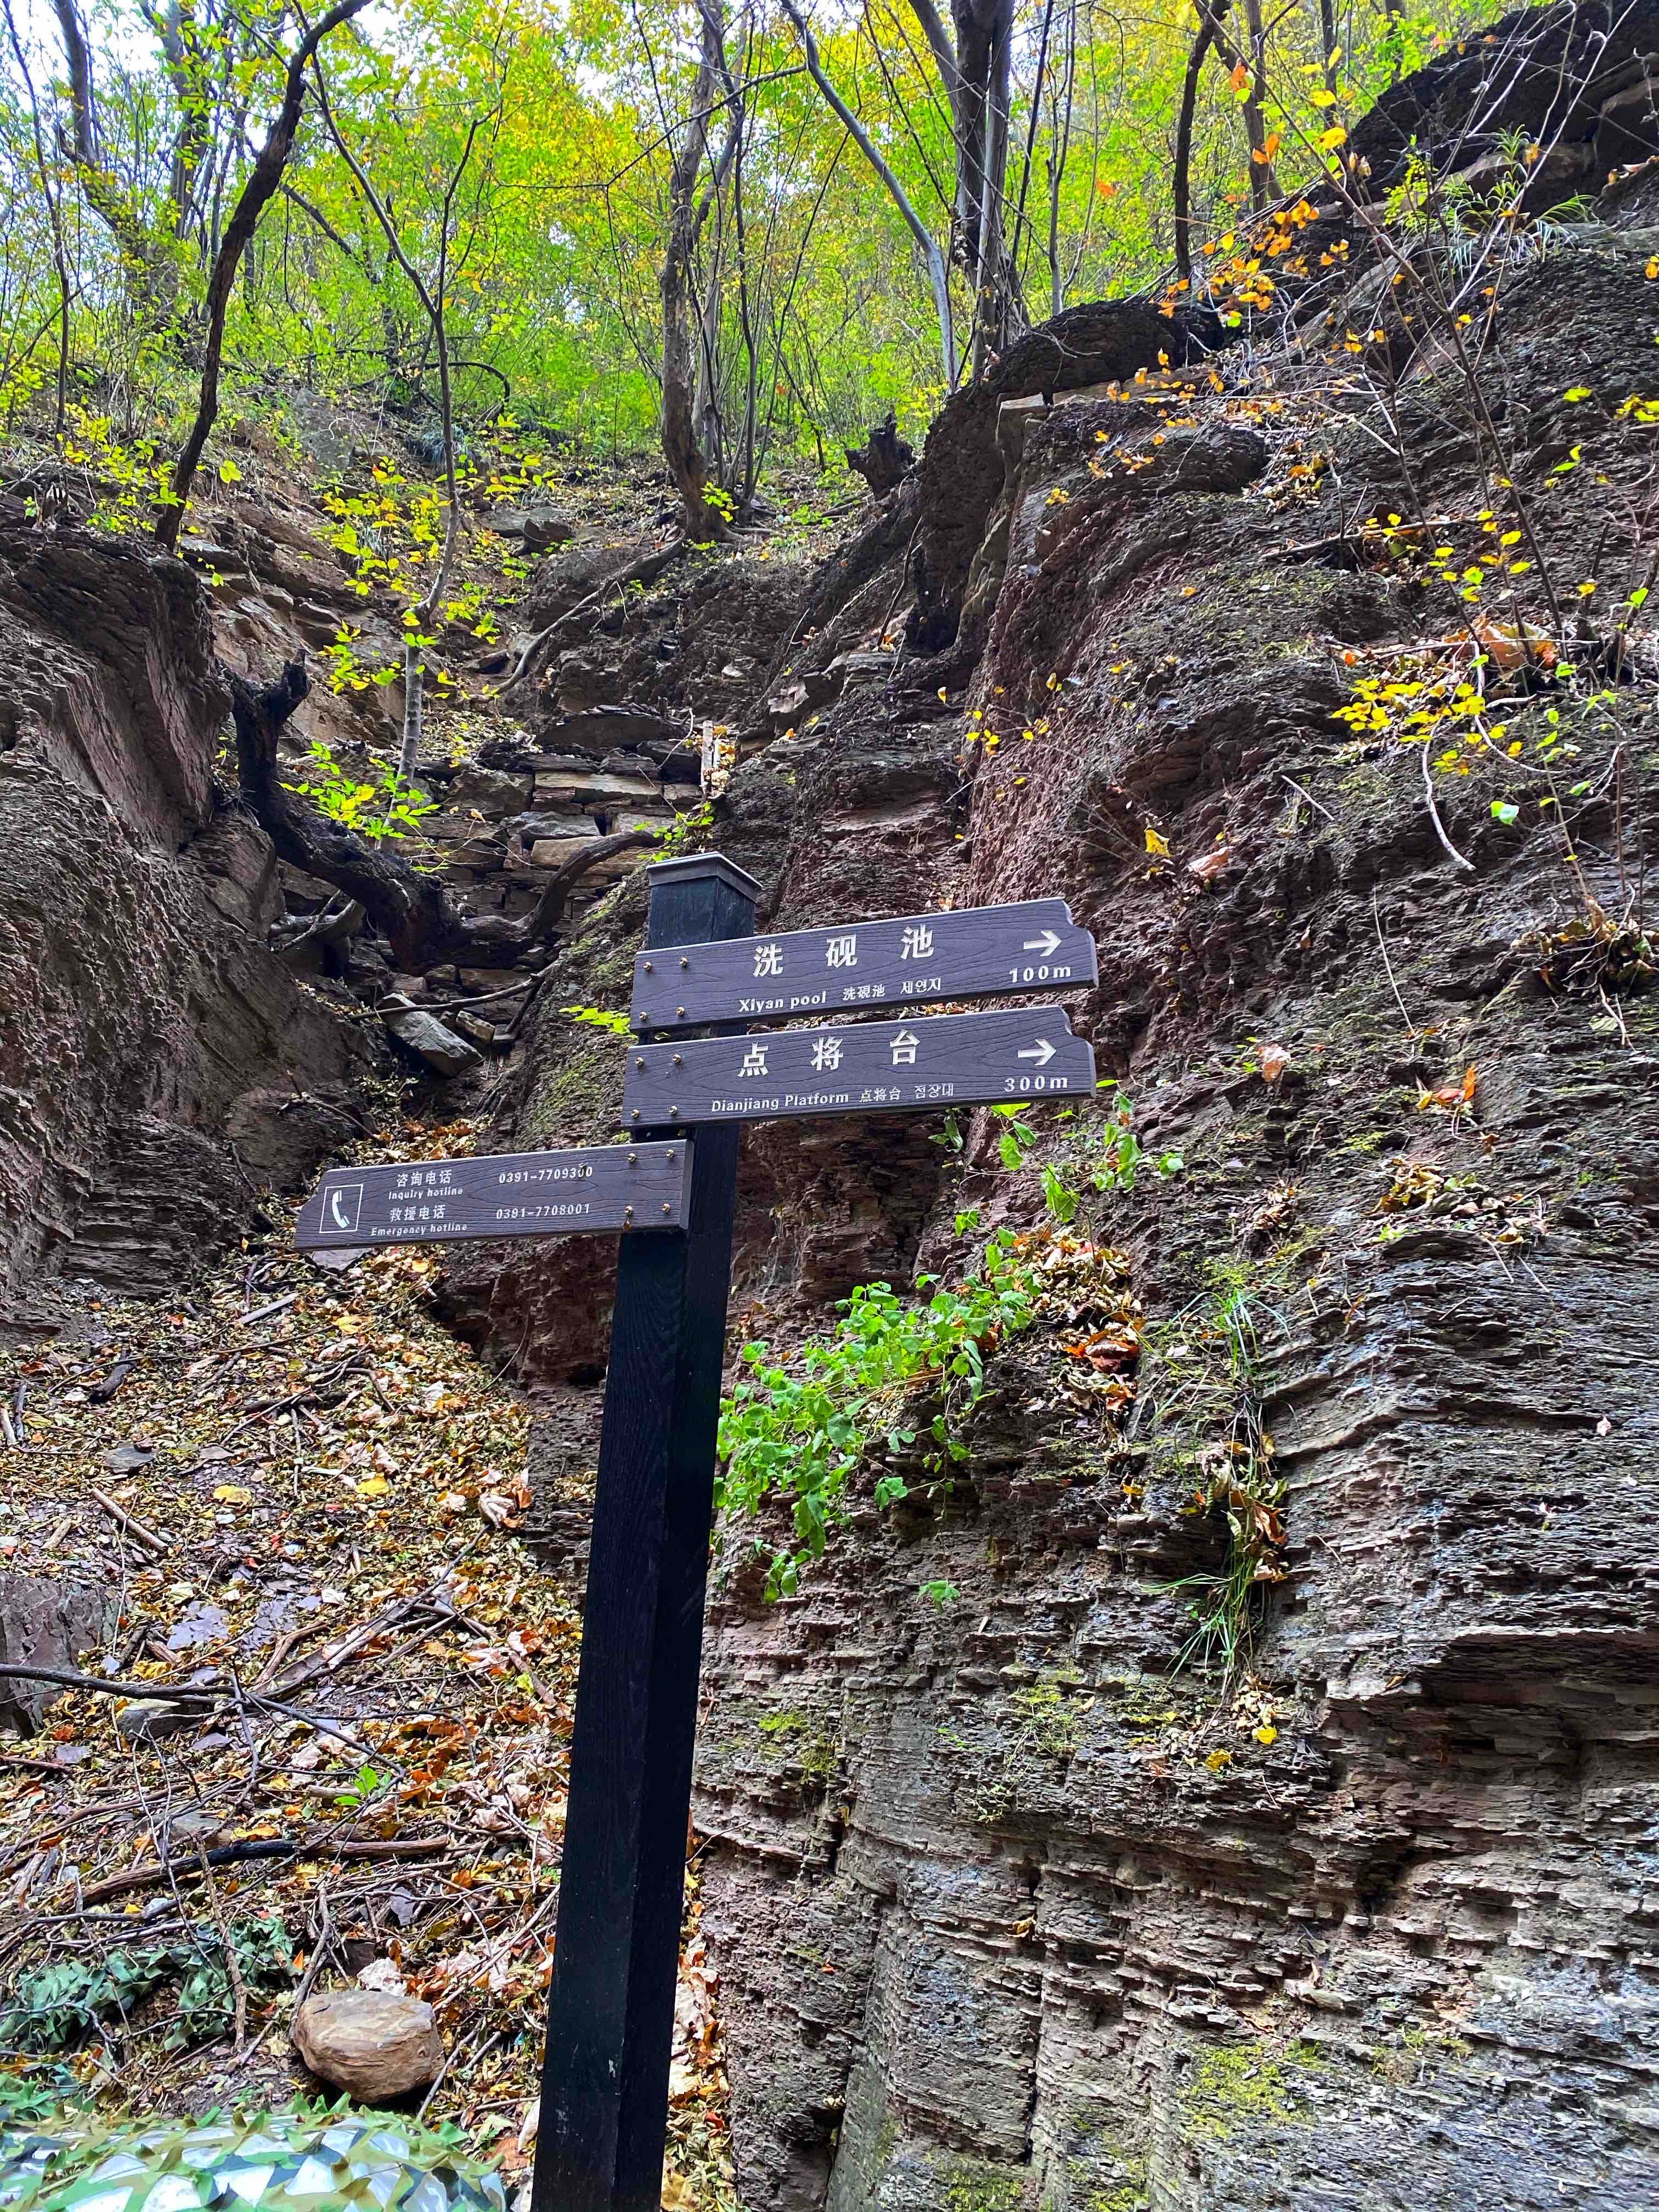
(556,240)
(687,833)
(53,2007)
(382,808)
(803,1429)
(1103,1154)
(597,1018)
(362,1785)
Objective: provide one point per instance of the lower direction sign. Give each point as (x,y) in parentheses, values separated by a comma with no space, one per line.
(601,1187)
(865,1067)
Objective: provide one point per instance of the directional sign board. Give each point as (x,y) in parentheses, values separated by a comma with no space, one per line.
(603,1187)
(861,1068)
(976,953)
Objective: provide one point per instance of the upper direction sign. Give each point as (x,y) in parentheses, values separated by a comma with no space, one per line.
(975,953)
(509,1195)
(939,1060)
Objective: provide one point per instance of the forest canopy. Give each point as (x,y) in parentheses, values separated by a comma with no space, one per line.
(843,208)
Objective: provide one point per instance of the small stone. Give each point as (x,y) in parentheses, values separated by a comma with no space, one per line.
(438,1045)
(129,1459)
(382,1975)
(150,1720)
(368,2042)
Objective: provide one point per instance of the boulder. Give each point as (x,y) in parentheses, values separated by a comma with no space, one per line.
(536,527)
(437,1044)
(489,792)
(283,1137)
(45,1622)
(371,2043)
(601,730)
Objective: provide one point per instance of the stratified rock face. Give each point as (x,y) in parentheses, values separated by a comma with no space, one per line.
(137,998)
(1010,1908)
(44,1622)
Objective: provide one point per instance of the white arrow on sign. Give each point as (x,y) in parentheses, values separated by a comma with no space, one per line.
(1046,945)
(1042,1052)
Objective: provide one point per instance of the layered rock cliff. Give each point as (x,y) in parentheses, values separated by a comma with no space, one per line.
(156,1061)
(1014,1901)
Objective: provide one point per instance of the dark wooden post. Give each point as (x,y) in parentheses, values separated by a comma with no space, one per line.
(611,2006)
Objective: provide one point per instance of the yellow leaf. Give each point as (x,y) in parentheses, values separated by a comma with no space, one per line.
(1159,847)
(1265,1735)
(376,1486)
(1217,1760)
(1323,98)
(233,1493)
(1329,140)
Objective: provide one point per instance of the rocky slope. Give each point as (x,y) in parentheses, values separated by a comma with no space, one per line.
(159,1064)
(1015,1901)
(1011,1907)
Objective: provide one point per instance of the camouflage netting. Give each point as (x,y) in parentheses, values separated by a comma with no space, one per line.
(339,2161)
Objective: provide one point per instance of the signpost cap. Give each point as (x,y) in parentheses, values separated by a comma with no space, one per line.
(703,867)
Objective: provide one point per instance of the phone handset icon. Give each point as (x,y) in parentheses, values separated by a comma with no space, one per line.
(341,1207)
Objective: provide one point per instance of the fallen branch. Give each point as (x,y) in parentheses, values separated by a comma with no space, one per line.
(1451,851)
(195,1863)
(394,1847)
(192,1862)
(130,1521)
(70,1678)
(101,1393)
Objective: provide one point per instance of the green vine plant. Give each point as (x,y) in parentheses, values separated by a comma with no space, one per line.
(687,834)
(385,807)
(1223,1397)
(905,1375)
(1101,1155)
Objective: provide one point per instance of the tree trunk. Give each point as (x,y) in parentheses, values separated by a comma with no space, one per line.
(412,911)
(262,182)
(686,463)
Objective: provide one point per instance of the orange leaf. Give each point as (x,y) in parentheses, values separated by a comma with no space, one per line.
(1240,77)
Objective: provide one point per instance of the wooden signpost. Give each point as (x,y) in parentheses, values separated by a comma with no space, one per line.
(512,1195)
(670,1190)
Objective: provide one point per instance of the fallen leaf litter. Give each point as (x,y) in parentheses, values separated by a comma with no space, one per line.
(300,1496)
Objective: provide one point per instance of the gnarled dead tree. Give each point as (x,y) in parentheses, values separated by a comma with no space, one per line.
(413,912)
(884,459)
